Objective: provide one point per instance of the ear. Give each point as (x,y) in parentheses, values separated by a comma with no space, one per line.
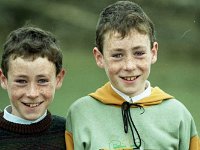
(3,80)
(98,57)
(154,52)
(60,78)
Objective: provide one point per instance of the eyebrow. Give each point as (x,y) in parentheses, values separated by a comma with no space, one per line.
(133,48)
(118,49)
(42,75)
(21,76)
(38,76)
(138,47)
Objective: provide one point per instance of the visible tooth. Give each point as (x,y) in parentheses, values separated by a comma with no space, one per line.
(130,78)
(32,105)
(133,78)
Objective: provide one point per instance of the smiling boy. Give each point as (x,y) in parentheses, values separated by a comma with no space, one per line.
(127,61)
(31,71)
(127,113)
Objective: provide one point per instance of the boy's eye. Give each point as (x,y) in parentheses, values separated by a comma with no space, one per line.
(42,81)
(139,53)
(21,81)
(117,55)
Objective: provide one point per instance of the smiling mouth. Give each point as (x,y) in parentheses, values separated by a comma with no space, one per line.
(131,78)
(32,105)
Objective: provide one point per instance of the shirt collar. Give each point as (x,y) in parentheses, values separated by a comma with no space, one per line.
(12,118)
(136,98)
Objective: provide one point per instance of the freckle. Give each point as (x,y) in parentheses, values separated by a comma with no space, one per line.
(42,91)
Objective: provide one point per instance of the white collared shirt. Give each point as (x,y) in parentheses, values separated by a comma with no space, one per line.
(136,98)
(12,118)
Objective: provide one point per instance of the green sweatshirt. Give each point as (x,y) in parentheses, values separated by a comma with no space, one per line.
(95,122)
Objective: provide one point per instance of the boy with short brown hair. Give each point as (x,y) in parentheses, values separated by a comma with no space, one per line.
(31,71)
(127,113)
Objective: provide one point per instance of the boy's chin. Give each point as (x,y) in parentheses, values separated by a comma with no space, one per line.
(130,92)
(32,117)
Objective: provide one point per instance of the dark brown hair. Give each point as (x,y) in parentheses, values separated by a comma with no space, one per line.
(30,43)
(122,17)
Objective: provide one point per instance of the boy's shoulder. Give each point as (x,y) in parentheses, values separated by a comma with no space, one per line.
(175,104)
(58,122)
(58,118)
(175,107)
(85,100)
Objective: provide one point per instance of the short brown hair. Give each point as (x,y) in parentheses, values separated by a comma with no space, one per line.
(30,43)
(123,16)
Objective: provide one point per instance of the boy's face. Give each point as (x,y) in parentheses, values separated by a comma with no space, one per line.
(127,61)
(31,86)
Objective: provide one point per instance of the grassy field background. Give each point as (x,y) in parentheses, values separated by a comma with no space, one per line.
(180,78)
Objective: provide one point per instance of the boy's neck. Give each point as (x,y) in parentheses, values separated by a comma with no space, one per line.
(15,119)
(136,98)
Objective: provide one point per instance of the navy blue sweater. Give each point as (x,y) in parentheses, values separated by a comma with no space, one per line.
(48,134)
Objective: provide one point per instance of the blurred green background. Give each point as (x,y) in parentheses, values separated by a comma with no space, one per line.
(177,24)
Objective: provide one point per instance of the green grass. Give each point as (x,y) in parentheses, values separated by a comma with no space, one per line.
(179,78)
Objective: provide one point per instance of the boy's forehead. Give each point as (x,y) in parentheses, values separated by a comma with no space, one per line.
(39,65)
(134,38)
(28,60)
(114,34)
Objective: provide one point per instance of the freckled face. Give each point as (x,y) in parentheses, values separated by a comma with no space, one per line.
(31,86)
(127,61)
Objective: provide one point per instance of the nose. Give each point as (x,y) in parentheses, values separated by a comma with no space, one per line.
(32,91)
(130,64)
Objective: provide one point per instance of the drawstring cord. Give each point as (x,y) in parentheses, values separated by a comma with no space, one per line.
(127,120)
